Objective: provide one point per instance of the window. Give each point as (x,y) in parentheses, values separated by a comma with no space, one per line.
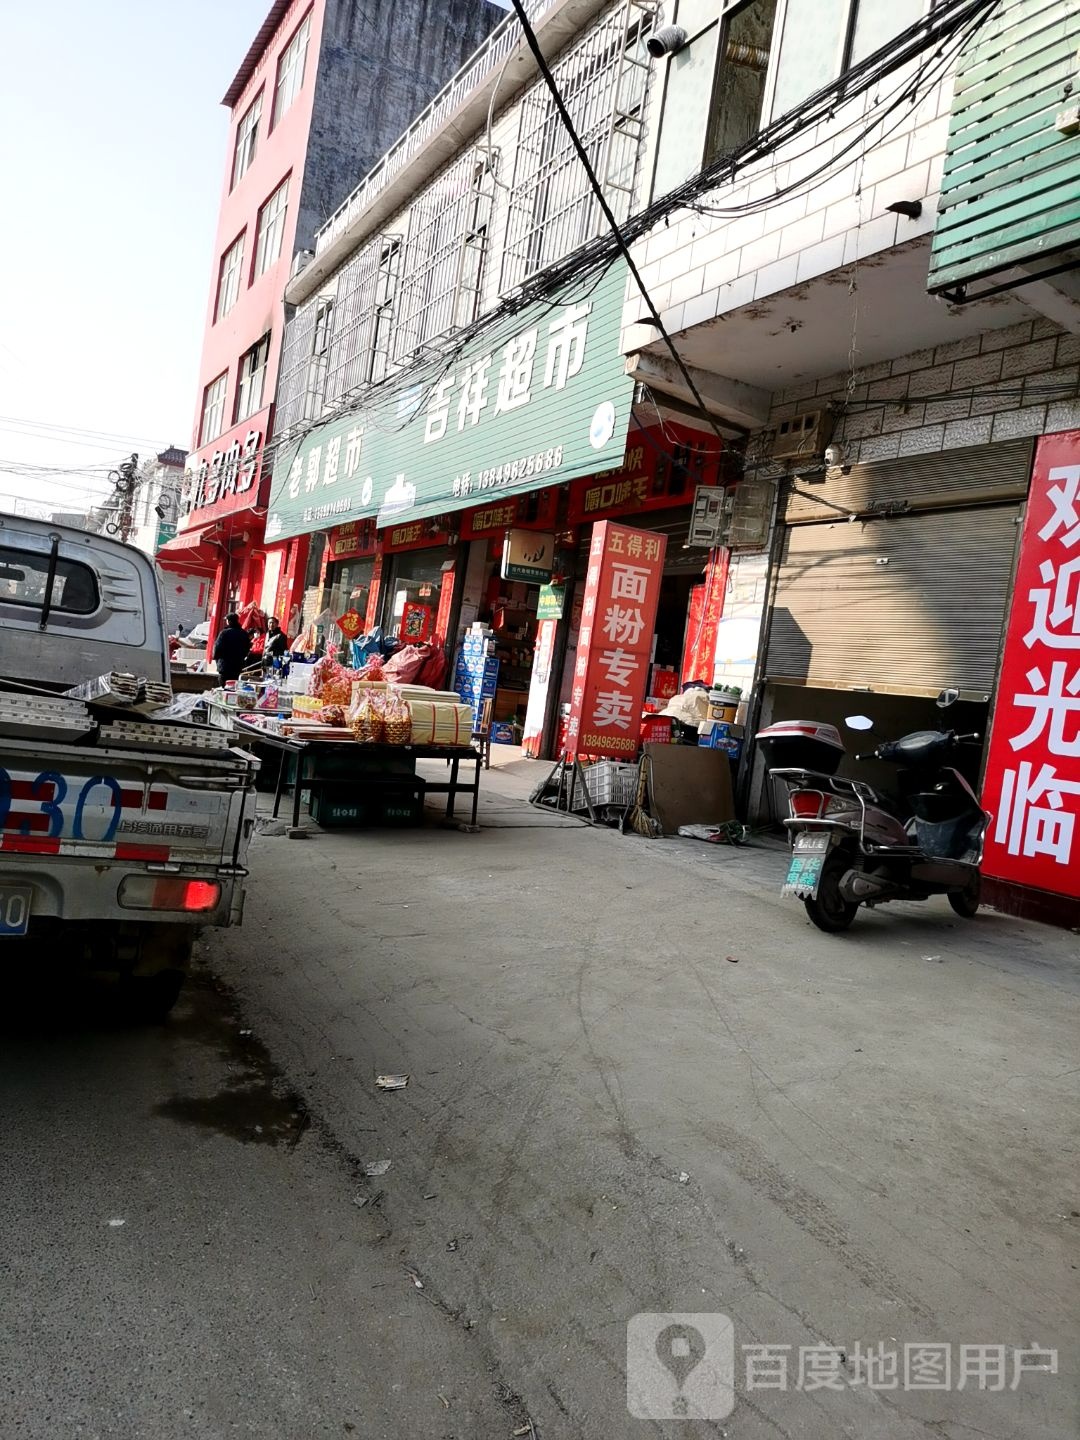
(290,70)
(213,410)
(271,229)
(603,79)
(228,290)
(24,576)
(249,388)
(823,38)
(247,139)
(738,96)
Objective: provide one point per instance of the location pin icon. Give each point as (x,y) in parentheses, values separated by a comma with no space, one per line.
(680,1349)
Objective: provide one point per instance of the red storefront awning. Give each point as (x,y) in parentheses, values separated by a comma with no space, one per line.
(193,549)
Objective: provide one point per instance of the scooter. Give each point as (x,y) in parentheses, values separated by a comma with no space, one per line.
(854,845)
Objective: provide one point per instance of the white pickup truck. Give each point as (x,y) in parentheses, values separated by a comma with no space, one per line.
(121,834)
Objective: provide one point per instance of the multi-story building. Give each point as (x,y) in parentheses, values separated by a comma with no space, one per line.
(323,89)
(155,506)
(453,369)
(864,261)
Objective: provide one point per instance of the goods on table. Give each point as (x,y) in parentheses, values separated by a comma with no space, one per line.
(331,715)
(396,712)
(367,721)
(439,723)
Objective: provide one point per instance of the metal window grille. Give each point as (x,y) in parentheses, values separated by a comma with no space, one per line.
(359,346)
(603,80)
(442,268)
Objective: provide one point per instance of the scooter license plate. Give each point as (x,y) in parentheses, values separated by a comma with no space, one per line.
(807,862)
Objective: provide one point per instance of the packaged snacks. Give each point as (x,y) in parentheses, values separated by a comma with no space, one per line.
(367,722)
(398,720)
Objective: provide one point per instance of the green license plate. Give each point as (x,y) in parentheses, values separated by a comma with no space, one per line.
(803,875)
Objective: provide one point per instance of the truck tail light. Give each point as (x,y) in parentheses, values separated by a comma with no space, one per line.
(172,892)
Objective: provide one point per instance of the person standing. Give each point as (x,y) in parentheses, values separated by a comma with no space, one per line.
(277,642)
(231,649)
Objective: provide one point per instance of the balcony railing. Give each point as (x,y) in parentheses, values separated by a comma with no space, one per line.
(491,55)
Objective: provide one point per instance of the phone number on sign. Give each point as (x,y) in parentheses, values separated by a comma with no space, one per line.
(608,742)
(520,469)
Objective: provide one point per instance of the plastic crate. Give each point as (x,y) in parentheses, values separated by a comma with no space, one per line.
(609,782)
(369,805)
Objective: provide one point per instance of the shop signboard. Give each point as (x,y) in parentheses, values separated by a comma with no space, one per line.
(523,512)
(224,477)
(549,605)
(1032,780)
(537,398)
(618,618)
(416,535)
(528,556)
(355,541)
(661,468)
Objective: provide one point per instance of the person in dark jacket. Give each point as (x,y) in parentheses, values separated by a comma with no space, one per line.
(277,642)
(231,648)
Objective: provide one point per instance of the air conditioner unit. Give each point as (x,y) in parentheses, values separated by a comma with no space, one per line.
(301,260)
(802,437)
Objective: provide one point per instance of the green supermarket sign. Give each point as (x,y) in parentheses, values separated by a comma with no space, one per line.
(540,398)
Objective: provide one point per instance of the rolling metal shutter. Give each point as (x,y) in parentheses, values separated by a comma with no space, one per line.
(906,605)
(972,475)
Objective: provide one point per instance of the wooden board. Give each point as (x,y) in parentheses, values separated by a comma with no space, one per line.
(689,785)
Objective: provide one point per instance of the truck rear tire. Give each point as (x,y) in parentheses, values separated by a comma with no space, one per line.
(148,999)
(152,987)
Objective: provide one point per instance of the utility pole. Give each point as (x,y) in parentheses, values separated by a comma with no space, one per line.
(125,482)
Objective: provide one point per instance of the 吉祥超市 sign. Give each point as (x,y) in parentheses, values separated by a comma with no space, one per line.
(541,398)
(1032,781)
(618,616)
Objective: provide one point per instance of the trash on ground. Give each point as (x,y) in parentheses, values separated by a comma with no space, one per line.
(115,1224)
(359,1201)
(391,1082)
(374,1167)
(415,1278)
(732,959)
(730,832)
(684,1177)
(451,1245)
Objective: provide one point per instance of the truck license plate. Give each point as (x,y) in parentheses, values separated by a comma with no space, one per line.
(15,909)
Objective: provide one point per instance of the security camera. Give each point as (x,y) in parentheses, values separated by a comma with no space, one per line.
(834,455)
(668,40)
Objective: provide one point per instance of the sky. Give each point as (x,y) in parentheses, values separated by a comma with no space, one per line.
(112,156)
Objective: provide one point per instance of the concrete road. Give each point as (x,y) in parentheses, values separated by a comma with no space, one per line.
(640,1084)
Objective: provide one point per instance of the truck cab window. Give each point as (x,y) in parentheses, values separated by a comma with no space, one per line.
(24,575)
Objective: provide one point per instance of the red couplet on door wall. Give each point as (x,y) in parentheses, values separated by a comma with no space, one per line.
(618,619)
(1032,782)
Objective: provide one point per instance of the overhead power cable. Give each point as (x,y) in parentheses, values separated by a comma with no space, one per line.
(609,214)
(947,30)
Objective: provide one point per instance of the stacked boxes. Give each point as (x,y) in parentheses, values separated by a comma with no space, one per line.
(476,675)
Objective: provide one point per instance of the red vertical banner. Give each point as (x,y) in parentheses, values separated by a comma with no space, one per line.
(371,619)
(703,621)
(618,618)
(446,604)
(1032,781)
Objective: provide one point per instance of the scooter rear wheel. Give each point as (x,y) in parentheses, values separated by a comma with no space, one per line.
(966,902)
(828,909)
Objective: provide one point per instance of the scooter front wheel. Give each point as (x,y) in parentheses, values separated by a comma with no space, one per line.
(828,909)
(966,902)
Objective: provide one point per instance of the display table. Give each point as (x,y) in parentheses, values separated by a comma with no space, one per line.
(306,752)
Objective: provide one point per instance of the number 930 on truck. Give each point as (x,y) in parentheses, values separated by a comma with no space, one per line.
(123,829)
